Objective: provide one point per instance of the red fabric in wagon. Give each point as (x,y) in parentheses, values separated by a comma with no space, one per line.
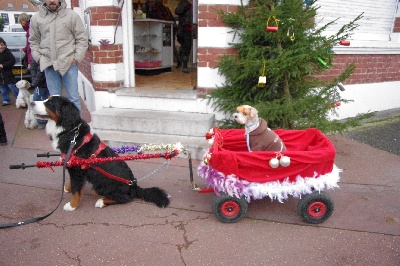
(311,154)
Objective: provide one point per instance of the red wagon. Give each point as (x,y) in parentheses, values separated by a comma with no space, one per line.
(304,171)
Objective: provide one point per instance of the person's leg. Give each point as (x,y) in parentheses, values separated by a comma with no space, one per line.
(70,80)
(53,81)
(185,50)
(43,93)
(4,93)
(3,135)
(13,89)
(40,95)
(176,53)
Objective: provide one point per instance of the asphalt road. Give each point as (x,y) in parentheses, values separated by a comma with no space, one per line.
(381,131)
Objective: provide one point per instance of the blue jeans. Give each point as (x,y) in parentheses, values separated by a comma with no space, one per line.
(54,82)
(4,91)
(41,94)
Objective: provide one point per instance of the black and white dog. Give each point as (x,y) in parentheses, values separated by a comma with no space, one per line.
(113,181)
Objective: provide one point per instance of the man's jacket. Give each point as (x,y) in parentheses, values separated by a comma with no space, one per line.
(57,38)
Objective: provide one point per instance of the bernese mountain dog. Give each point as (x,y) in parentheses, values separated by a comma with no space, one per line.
(65,125)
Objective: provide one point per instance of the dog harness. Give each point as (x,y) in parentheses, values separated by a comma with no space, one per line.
(101,147)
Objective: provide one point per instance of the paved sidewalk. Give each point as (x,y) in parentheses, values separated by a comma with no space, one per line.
(363,230)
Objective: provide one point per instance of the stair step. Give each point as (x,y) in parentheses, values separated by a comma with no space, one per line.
(154,122)
(195,145)
(158,93)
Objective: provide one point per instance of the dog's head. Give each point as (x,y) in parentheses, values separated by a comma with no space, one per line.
(59,109)
(245,114)
(23,84)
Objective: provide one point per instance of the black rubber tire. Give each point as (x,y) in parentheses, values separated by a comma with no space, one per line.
(316,207)
(229,209)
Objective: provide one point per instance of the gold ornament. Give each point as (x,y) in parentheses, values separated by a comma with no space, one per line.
(262,80)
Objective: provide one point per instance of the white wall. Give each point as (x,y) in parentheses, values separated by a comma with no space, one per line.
(369,98)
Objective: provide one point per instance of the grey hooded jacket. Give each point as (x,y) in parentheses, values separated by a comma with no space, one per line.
(57,38)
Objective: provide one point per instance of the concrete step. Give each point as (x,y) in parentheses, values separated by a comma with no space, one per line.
(159,100)
(185,94)
(153,122)
(195,145)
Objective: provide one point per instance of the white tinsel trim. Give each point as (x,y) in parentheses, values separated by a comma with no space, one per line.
(274,190)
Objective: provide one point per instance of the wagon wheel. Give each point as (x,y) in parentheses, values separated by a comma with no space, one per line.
(229,209)
(316,207)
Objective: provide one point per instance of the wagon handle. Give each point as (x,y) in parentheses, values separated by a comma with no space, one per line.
(21,166)
(48,154)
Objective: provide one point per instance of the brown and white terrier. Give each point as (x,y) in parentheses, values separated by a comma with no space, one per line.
(259,136)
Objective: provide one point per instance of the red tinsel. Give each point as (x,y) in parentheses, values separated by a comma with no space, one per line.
(89,161)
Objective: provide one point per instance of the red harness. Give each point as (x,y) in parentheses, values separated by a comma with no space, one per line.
(101,147)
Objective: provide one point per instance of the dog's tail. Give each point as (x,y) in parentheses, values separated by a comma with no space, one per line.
(154,194)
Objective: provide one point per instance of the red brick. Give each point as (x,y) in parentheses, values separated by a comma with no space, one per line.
(98,16)
(202,64)
(215,23)
(202,23)
(106,22)
(109,60)
(107,9)
(208,15)
(113,16)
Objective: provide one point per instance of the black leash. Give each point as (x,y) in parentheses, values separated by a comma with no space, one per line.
(36,219)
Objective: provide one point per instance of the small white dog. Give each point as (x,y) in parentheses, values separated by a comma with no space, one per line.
(259,136)
(23,95)
(24,99)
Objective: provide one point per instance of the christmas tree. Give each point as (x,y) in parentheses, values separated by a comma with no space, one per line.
(279,65)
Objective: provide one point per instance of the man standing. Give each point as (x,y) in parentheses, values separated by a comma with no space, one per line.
(185,31)
(59,42)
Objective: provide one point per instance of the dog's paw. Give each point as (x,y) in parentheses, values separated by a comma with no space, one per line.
(67,188)
(68,208)
(100,203)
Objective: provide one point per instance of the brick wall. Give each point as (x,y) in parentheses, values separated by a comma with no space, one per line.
(104,16)
(370,68)
(209,57)
(85,65)
(74,3)
(103,54)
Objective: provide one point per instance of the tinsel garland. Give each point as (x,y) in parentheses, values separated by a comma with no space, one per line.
(149,147)
(276,190)
(89,161)
(126,149)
